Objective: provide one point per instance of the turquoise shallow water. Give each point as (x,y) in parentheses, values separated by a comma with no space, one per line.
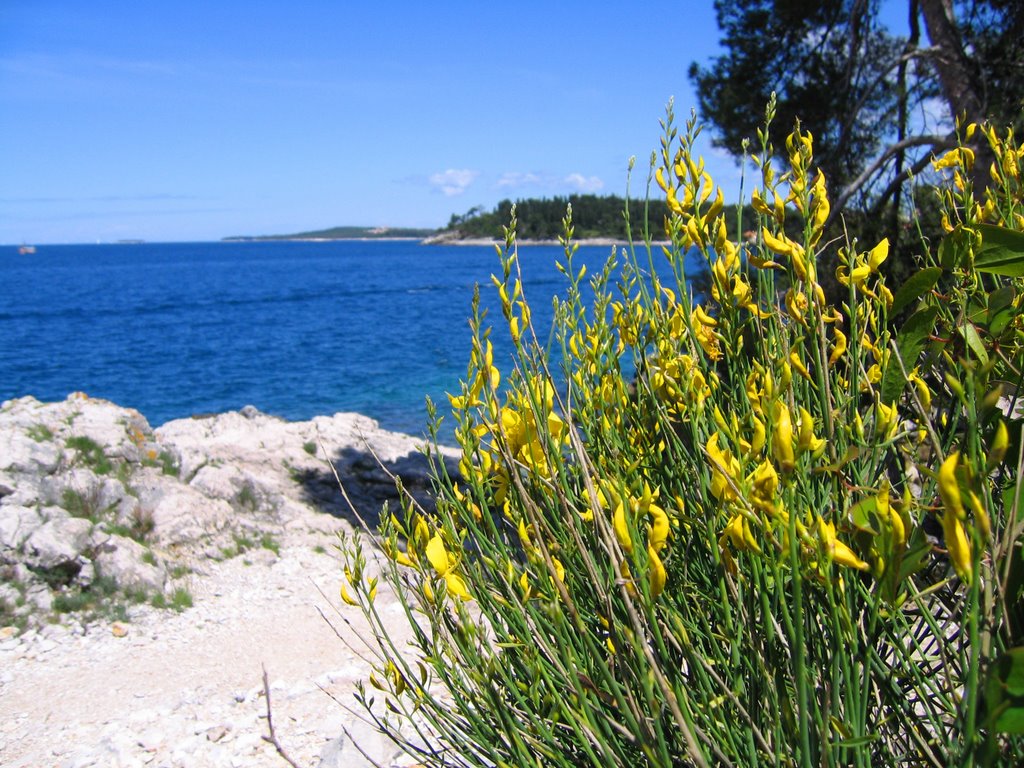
(295,329)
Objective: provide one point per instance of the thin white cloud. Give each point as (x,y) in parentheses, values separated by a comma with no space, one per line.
(517,179)
(453,182)
(583,183)
(576,182)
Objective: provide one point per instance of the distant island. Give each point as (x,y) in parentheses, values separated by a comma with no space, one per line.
(346,233)
(595,218)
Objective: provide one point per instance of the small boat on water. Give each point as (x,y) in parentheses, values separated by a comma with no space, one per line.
(26,250)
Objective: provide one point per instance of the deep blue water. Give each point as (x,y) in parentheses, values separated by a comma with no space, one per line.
(295,329)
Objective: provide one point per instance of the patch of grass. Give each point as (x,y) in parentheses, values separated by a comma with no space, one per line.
(246,498)
(319,549)
(40,433)
(84,504)
(165,460)
(101,598)
(169,464)
(149,557)
(139,527)
(10,616)
(242,543)
(179,570)
(297,475)
(123,472)
(90,453)
(179,600)
(73,601)
(136,595)
(267,541)
(309,447)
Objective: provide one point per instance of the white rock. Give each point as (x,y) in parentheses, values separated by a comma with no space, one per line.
(58,543)
(181,514)
(20,453)
(122,560)
(17,524)
(220,482)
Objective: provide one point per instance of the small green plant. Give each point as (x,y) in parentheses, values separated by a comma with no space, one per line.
(101,598)
(319,549)
(149,557)
(86,504)
(179,600)
(123,472)
(267,541)
(115,611)
(241,543)
(180,570)
(246,497)
(40,433)
(138,526)
(309,447)
(297,475)
(90,453)
(169,464)
(73,601)
(10,616)
(165,460)
(136,595)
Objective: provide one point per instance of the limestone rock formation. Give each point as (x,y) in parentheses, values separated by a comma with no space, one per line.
(88,490)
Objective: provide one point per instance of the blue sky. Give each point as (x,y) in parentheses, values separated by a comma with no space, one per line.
(198,120)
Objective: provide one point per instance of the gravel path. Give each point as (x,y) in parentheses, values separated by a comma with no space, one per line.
(185,689)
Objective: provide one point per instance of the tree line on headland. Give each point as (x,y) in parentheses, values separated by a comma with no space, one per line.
(593,216)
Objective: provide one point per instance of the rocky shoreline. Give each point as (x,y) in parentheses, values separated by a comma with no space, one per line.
(149,575)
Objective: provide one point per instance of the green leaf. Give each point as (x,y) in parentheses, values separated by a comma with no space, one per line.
(1004,692)
(970,334)
(1001,251)
(1001,298)
(852,452)
(916,287)
(910,342)
(950,248)
(918,549)
(862,515)
(1000,309)
(859,741)
(1000,320)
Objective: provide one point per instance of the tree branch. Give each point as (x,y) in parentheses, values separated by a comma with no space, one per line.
(272,737)
(913,170)
(943,142)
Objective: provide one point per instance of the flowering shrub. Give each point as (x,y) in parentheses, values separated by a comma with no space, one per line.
(757,529)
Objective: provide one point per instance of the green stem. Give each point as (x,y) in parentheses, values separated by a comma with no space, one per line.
(799,650)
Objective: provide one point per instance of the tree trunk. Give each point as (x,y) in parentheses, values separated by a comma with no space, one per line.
(963,89)
(959,85)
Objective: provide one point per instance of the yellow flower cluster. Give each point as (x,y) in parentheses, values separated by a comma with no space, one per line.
(629,513)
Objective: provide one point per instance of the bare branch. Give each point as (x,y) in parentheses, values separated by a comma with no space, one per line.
(905,174)
(272,737)
(936,142)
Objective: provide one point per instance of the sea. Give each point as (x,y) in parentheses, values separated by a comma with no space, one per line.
(296,329)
